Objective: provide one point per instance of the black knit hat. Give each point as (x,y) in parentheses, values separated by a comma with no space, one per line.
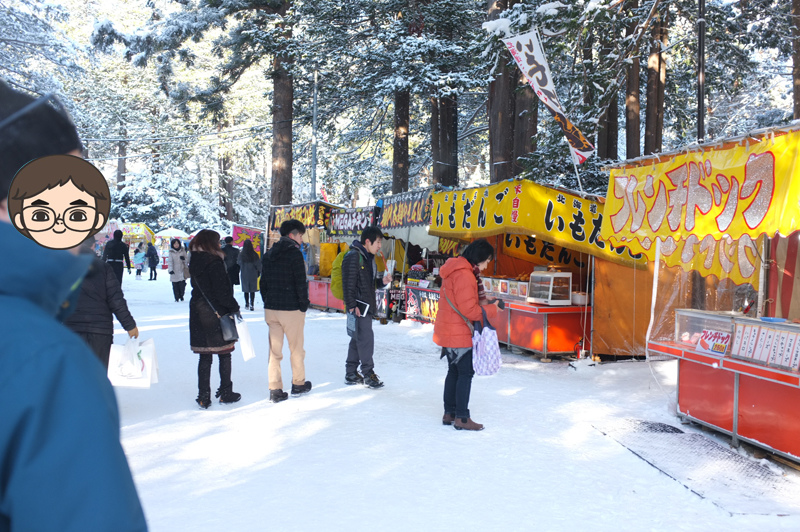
(31,128)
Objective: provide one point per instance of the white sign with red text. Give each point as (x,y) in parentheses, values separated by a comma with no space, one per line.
(714,342)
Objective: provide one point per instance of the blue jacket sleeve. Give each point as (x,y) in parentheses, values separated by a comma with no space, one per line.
(63,466)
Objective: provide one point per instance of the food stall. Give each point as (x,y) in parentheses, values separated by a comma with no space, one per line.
(403,218)
(544,240)
(316,217)
(718,223)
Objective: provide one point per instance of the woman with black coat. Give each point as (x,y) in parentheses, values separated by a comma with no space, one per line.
(250,266)
(153,260)
(212,297)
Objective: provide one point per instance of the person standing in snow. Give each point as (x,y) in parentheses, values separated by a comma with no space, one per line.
(284,290)
(178,268)
(231,260)
(138,261)
(250,270)
(212,297)
(152,260)
(359,282)
(461,298)
(62,466)
(99,301)
(115,253)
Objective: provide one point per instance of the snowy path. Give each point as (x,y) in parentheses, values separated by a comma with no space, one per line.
(350,458)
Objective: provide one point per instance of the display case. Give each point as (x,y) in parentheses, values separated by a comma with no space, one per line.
(550,288)
(691,323)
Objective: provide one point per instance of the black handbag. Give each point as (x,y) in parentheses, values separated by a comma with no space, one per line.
(227,322)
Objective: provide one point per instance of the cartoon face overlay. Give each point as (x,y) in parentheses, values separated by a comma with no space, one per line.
(59,201)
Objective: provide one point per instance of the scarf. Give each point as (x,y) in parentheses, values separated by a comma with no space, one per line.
(482,299)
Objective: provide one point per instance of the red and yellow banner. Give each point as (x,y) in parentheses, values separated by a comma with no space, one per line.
(243,232)
(708,207)
(525,208)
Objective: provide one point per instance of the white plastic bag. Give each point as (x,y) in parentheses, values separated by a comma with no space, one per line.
(245,341)
(133,365)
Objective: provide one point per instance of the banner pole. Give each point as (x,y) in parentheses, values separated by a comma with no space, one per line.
(574,165)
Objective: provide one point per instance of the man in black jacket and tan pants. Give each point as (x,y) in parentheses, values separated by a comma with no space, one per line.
(284,289)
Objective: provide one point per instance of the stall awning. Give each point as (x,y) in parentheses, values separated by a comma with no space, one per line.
(708,205)
(544,214)
(407,215)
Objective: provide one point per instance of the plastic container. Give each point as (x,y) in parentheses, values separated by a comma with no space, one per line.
(579,298)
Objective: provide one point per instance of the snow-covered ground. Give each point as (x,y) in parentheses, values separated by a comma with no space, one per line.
(351,458)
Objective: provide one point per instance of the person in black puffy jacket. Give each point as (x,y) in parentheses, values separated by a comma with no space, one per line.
(99,301)
(212,297)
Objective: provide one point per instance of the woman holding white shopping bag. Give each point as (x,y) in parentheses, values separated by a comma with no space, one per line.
(461,297)
(212,298)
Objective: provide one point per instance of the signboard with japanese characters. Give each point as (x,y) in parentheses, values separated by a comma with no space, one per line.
(241,233)
(314,214)
(708,207)
(525,208)
(422,305)
(351,221)
(713,342)
(406,210)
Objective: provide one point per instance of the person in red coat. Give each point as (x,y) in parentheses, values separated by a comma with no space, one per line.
(461,288)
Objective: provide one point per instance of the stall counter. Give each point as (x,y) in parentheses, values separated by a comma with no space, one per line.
(746,400)
(320,295)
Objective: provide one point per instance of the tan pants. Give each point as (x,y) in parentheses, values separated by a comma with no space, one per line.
(290,323)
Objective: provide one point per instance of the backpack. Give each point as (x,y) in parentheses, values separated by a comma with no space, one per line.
(336,276)
(337,289)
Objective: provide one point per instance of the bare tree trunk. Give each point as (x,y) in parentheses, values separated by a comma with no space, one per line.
(282,116)
(501,108)
(436,152)
(526,117)
(225,186)
(633,146)
(448,140)
(122,152)
(654,111)
(796,56)
(400,152)
(662,80)
(608,128)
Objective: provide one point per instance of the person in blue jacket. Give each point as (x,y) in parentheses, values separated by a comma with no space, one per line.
(62,467)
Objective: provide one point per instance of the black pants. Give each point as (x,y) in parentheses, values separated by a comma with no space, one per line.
(153,272)
(100,344)
(249,299)
(117,267)
(179,289)
(204,374)
(458,383)
(362,344)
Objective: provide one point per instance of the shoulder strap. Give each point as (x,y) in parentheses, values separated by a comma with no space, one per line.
(469,323)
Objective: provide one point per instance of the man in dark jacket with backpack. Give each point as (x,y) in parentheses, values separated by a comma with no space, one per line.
(115,253)
(359,282)
(284,289)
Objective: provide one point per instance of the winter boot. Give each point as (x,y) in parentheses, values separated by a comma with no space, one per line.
(203,384)
(225,391)
(204,400)
(301,389)
(372,381)
(227,395)
(466,423)
(448,419)
(276,396)
(353,378)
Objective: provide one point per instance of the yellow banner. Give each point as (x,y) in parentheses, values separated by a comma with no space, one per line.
(751,188)
(525,208)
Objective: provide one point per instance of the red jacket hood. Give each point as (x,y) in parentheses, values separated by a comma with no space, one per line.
(454,265)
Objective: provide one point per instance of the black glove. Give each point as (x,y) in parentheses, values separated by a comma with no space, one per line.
(238,315)
(500,303)
(171,272)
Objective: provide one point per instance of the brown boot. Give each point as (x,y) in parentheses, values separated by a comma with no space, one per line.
(448,419)
(467,424)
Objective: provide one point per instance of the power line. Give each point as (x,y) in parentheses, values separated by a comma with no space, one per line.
(135,139)
(170,152)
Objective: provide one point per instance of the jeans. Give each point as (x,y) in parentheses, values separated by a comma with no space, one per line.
(458,383)
(362,344)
